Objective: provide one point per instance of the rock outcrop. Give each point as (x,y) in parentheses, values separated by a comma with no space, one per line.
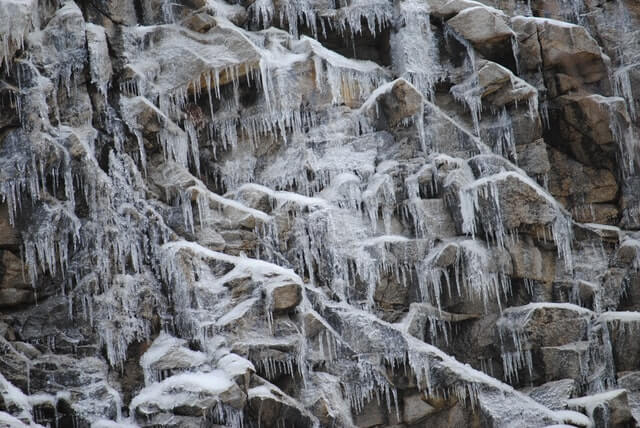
(313,213)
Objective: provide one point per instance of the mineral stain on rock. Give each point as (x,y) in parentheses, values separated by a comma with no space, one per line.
(314,213)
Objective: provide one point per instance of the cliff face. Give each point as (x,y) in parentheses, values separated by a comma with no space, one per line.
(319,213)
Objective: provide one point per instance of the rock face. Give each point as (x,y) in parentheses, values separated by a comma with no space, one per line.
(317,213)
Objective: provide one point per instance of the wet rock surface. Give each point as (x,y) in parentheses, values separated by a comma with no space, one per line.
(317,213)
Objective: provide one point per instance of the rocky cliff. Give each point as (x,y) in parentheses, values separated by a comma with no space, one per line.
(319,213)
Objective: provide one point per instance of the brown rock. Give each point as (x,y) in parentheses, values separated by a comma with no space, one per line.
(285,297)
(9,237)
(567,48)
(481,24)
(415,408)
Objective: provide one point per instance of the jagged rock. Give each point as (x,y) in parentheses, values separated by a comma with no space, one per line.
(496,86)
(16,20)
(486,165)
(191,53)
(582,292)
(444,134)
(14,403)
(629,205)
(60,47)
(500,87)
(109,13)
(445,9)
(507,201)
(199,22)
(420,314)
(371,415)
(437,219)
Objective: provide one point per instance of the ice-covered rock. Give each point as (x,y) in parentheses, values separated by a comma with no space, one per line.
(319,213)
(605,409)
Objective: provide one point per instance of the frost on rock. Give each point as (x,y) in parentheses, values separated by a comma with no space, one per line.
(99,61)
(524,330)
(17,18)
(467,269)
(317,213)
(414,50)
(482,205)
(200,393)
(498,87)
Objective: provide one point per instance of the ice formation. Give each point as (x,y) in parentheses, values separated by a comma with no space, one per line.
(319,213)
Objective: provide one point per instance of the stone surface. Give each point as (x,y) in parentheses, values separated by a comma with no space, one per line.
(319,214)
(606,409)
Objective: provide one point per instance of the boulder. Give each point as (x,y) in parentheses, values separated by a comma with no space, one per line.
(565,47)
(496,86)
(284,297)
(630,381)
(190,394)
(547,324)
(481,25)
(398,101)
(605,409)
(507,201)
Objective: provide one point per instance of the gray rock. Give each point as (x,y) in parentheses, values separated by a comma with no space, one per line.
(605,409)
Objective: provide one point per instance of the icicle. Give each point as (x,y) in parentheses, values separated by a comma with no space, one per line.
(471,56)
(414,51)
(623,88)
(376,13)
(380,196)
(515,50)
(513,336)
(628,142)
(470,93)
